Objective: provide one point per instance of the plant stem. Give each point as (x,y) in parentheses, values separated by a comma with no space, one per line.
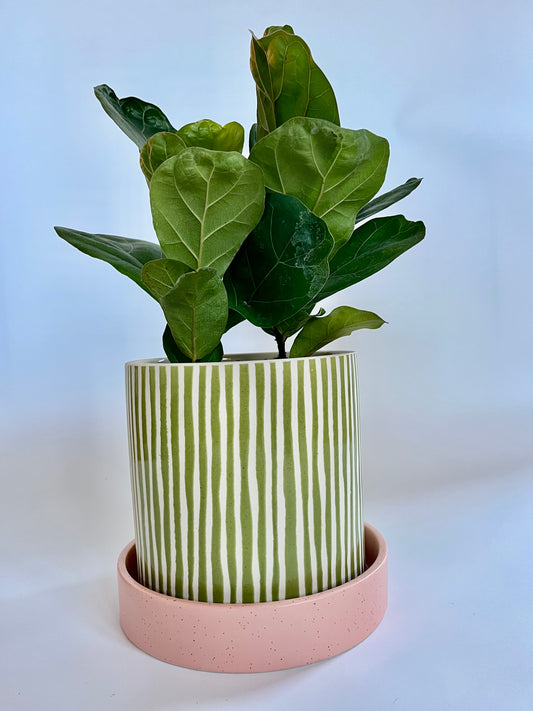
(280,341)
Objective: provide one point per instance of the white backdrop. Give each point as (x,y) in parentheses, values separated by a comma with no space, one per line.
(446,386)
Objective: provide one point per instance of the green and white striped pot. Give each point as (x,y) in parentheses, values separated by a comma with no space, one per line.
(245,476)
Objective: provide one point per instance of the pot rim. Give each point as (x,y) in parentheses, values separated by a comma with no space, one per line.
(239,358)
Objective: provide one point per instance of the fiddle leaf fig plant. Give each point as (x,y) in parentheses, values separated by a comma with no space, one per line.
(262,238)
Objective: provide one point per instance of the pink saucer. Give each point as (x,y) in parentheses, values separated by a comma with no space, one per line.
(254,637)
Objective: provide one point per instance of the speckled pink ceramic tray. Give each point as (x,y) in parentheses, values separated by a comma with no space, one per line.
(254,637)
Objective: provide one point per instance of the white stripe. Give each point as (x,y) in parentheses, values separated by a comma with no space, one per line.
(159,473)
(237,481)
(322,475)
(351,468)
(196,480)
(133,470)
(341,400)
(208,444)
(142,472)
(332,482)
(269,545)
(168,372)
(180,473)
(253,490)
(223,418)
(300,547)
(309,424)
(150,460)
(280,503)
(359,487)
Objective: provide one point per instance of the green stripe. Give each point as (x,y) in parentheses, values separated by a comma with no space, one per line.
(164,469)
(345,458)
(327,467)
(216,472)
(188,474)
(289,489)
(315,471)
(246,504)
(203,405)
(275,475)
(175,396)
(337,465)
(146,481)
(304,477)
(230,508)
(150,402)
(261,473)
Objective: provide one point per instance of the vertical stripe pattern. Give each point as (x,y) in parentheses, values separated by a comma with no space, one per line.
(246,476)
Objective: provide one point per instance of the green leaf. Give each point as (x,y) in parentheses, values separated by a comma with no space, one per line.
(158,149)
(387,199)
(288,81)
(208,134)
(204,204)
(282,265)
(196,309)
(138,119)
(275,28)
(333,171)
(174,354)
(252,136)
(371,247)
(318,332)
(161,275)
(128,256)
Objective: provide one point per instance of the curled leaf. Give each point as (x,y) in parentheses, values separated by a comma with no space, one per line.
(342,321)
(158,149)
(137,118)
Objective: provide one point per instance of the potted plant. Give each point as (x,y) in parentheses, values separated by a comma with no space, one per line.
(249,548)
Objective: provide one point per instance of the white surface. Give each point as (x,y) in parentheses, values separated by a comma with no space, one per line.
(457,635)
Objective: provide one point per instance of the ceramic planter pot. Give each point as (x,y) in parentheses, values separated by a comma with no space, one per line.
(245,477)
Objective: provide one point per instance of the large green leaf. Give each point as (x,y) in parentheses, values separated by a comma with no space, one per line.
(158,149)
(282,265)
(174,354)
(204,204)
(161,275)
(208,134)
(371,247)
(333,171)
(138,119)
(196,309)
(128,256)
(318,332)
(288,81)
(387,199)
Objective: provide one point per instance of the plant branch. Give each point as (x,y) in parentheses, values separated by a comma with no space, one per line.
(280,341)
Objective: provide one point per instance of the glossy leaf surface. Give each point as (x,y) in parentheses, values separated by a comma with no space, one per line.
(158,149)
(371,247)
(288,81)
(342,321)
(387,199)
(333,171)
(204,204)
(209,134)
(174,354)
(161,275)
(128,256)
(137,118)
(282,265)
(196,309)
